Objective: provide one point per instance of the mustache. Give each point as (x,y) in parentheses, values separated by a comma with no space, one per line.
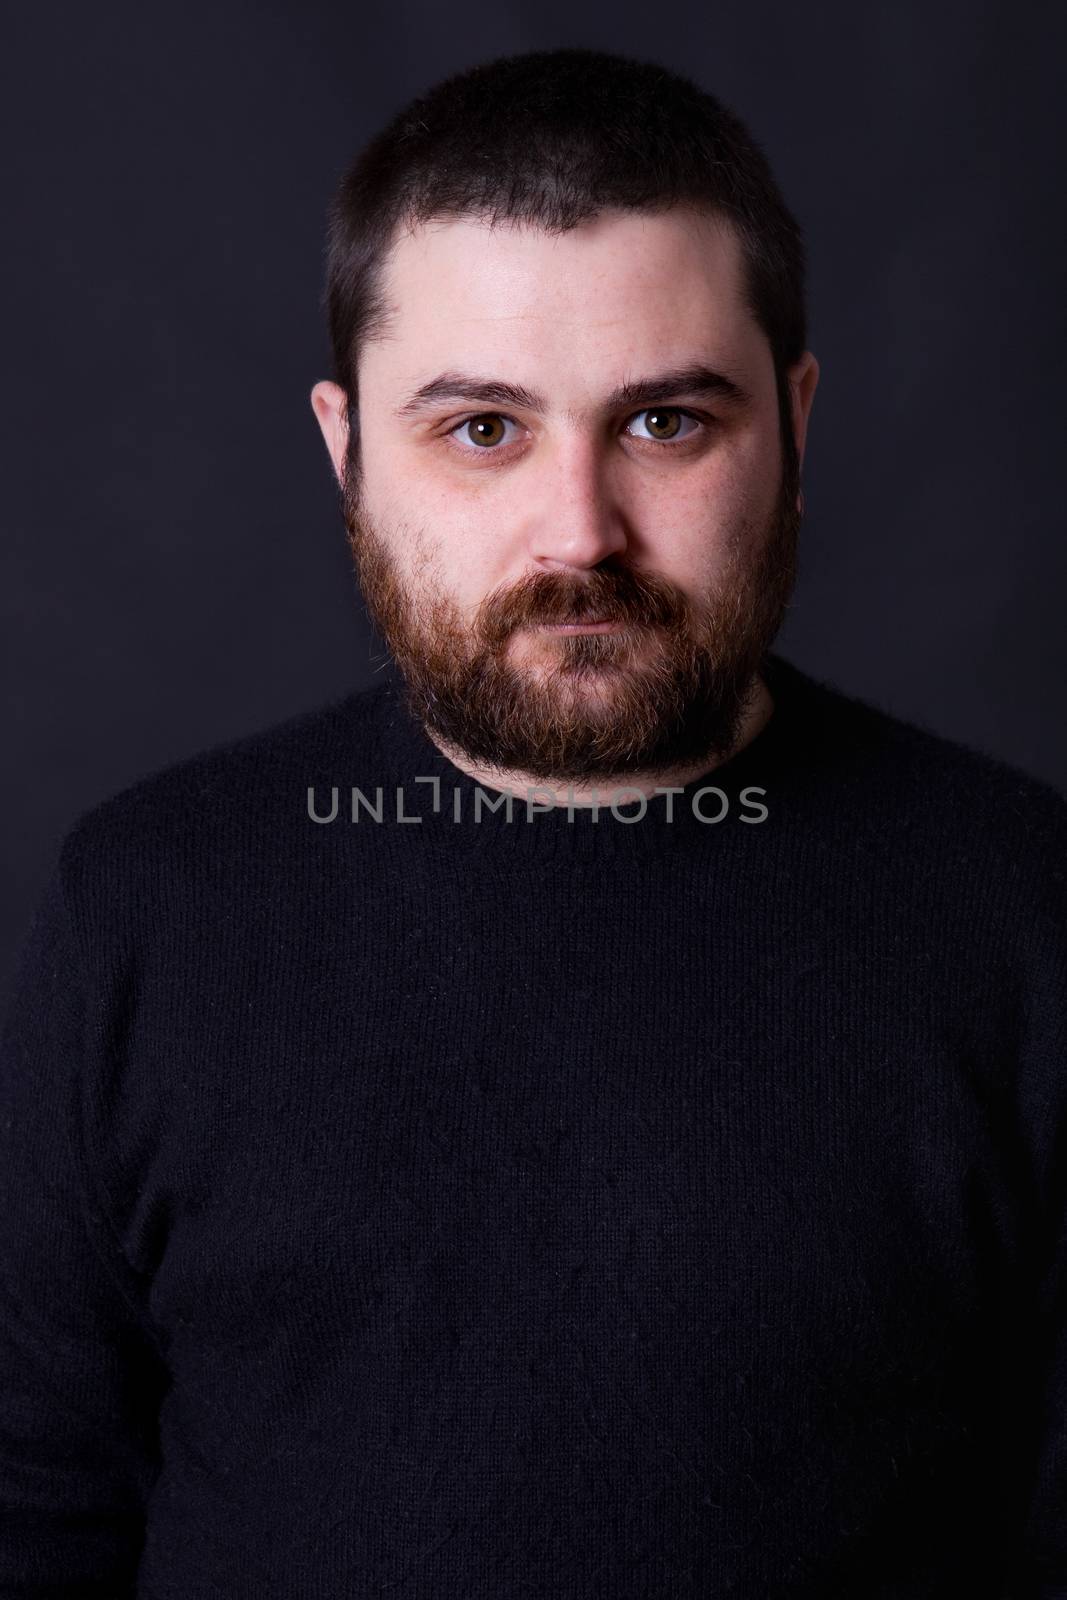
(608,594)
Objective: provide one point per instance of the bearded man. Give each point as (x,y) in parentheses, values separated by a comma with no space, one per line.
(586,1115)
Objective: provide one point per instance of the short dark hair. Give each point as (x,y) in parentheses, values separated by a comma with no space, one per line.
(550,138)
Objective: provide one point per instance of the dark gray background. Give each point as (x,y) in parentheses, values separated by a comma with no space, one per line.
(174,564)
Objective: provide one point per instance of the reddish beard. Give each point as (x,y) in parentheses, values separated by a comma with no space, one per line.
(667,689)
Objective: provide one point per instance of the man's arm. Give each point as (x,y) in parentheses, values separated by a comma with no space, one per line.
(80,1380)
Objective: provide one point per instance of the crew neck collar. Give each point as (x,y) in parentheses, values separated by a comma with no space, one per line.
(682,820)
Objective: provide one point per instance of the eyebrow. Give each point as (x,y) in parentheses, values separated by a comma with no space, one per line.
(695,379)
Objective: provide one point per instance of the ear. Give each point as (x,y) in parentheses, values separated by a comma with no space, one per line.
(803,378)
(330,405)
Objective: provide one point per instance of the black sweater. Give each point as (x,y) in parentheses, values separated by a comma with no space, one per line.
(555,1206)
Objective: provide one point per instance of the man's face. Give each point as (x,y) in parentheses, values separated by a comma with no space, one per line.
(483,523)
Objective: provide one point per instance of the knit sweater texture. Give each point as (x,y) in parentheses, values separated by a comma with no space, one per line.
(653,1204)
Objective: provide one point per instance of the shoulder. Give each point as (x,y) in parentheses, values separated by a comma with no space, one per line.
(220,801)
(912,795)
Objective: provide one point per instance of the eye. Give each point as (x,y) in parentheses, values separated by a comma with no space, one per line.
(666,424)
(482,433)
(486,433)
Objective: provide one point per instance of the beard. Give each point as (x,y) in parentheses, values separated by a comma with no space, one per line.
(666,690)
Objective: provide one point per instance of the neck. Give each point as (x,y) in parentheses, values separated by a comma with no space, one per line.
(598,791)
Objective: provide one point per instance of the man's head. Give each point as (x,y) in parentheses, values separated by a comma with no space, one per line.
(567,310)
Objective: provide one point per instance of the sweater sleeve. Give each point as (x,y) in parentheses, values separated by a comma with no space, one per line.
(1047,1530)
(1037,1469)
(1040,1570)
(80,1378)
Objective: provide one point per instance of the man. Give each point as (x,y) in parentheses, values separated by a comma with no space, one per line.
(587,1115)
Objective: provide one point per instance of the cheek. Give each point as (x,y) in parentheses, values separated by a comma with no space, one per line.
(445,563)
(690,532)
(719,532)
(377,482)
(745,493)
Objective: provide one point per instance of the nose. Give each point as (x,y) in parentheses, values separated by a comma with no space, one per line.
(575,520)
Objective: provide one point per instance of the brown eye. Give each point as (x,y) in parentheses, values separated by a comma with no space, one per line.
(487,430)
(666,424)
(483,434)
(663,424)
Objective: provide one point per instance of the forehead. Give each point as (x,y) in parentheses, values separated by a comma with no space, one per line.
(638,286)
